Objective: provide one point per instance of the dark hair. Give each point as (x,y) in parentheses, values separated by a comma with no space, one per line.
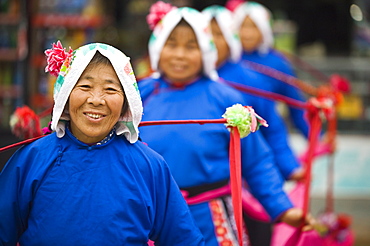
(99,59)
(183,22)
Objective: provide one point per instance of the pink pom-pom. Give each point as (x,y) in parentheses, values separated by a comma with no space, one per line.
(233,4)
(340,83)
(157,12)
(55,58)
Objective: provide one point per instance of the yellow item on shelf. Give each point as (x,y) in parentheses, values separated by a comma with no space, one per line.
(351,108)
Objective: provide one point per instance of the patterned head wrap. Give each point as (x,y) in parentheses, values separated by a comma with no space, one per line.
(261,16)
(73,66)
(196,20)
(224,19)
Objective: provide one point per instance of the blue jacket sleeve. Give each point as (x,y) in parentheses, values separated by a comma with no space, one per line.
(262,176)
(15,200)
(174,224)
(276,136)
(296,114)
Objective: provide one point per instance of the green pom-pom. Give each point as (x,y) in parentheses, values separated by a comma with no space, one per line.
(240,117)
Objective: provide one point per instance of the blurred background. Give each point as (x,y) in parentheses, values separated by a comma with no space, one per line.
(329,36)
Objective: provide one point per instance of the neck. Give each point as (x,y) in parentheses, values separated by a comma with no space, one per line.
(180,83)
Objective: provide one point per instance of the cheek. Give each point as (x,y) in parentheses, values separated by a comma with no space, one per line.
(75,100)
(163,57)
(116,105)
(197,60)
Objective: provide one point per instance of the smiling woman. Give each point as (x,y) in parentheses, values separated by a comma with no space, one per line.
(97,101)
(91,182)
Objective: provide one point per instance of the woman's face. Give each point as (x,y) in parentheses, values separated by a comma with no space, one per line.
(250,35)
(95,103)
(223,51)
(181,59)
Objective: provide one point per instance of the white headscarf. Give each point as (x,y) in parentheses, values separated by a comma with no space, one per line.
(224,19)
(201,29)
(71,72)
(261,16)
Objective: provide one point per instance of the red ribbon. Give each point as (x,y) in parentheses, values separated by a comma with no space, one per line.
(313,137)
(266,94)
(236,180)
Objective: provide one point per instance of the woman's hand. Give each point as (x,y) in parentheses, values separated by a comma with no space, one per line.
(294,217)
(298,175)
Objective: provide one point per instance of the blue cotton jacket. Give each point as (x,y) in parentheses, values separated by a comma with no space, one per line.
(60,191)
(199,154)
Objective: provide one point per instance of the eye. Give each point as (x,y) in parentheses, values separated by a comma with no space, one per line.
(111,89)
(170,44)
(191,46)
(84,86)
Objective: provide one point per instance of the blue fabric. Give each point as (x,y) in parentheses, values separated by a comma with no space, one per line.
(276,60)
(63,192)
(199,154)
(276,133)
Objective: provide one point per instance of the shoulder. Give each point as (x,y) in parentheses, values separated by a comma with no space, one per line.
(41,146)
(279,59)
(220,88)
(223,92)
(141,153)
(36,157)
(144,150)
(146,86)
(146,81)
(277,54)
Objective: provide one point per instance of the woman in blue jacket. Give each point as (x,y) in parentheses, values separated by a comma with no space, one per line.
(232,72)
(91,182)
(183,57)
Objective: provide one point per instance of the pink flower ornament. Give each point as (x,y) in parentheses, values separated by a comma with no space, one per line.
(56,56)
(157,12)
(233,4)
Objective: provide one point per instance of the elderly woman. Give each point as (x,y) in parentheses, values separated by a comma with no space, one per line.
(91,182)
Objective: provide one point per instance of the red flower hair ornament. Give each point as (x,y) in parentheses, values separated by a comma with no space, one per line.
(156,12)
(56,57)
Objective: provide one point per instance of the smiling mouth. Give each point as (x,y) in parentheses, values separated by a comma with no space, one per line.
(95,116)
(178,67)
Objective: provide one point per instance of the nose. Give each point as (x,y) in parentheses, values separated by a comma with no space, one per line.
(179,52)
(96,98)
